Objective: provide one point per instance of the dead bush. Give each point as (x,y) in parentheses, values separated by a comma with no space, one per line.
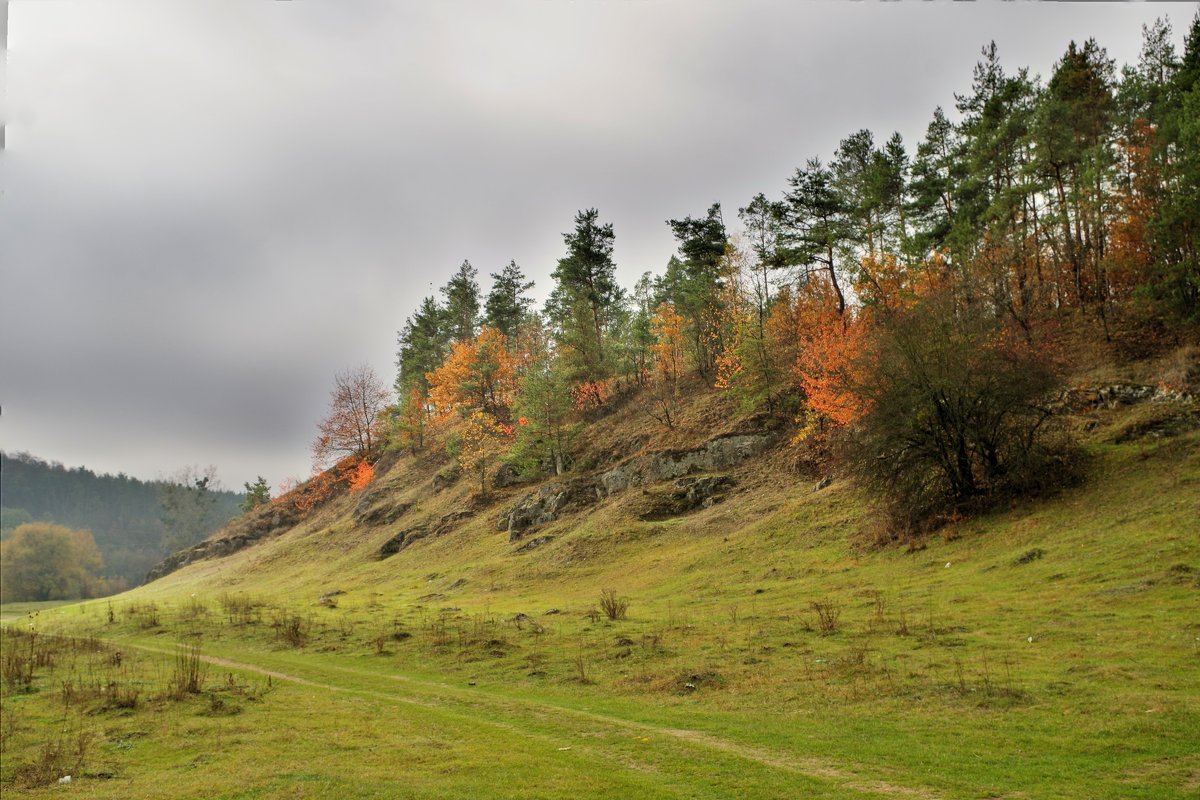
(614,607)
(828,613)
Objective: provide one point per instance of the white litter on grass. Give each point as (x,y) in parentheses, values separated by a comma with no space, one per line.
(65,779)
(947,565)
(1030,640)
(564,748)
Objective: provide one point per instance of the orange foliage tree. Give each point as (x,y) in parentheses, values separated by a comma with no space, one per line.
(828,366)
(1129,250)
(824,345)
(478,381)
(592,395)
(350,472)
(361,477)
(412,417)
(477,376)
(884,284)
(667,351)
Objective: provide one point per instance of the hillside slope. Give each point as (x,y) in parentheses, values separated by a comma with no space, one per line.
(1047,650)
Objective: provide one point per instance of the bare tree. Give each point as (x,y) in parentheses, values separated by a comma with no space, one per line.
(354,426)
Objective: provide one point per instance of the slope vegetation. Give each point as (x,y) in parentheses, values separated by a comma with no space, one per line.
(1046,650)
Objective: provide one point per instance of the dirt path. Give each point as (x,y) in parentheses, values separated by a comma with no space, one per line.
(448,696)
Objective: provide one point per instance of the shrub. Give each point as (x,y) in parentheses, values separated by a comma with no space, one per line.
(613,607)
(828,613)
(956,412)
(189,673)
(292,628)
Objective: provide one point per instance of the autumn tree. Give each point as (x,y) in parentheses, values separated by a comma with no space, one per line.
(478,442)
(42,561)
(477,376)
(828,366)
(667,326)
(355,423)
(360,478)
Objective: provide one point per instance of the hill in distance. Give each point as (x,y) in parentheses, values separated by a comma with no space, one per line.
(124,514)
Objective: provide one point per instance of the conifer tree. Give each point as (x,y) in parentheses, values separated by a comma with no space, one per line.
(817,227)
(257,494)
(586,295)
(507,304)
(423,345)
(693,283)
(461,313)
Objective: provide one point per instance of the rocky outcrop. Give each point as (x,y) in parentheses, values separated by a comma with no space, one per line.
(1088,398)
(406,537)
(554,499)
(401,540)
(534,543)
(446,478)
(689,494)
(548,503)
(508,475)
(720,453)
(450,521)
(375,509)
(266,522)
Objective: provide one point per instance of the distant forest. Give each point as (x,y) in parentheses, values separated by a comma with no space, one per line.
(124,514)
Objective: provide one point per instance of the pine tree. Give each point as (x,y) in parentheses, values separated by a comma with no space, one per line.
(543,413)
(257,494)
(1074,131)
(585,295)
(423,345)
(937,172)
(817,226)
(507,306)
(693,283)
(461,314)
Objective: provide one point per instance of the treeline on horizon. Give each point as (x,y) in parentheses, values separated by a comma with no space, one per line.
(127,518)
(882,289)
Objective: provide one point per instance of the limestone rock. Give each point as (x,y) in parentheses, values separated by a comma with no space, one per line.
(401,540)
(548,503)
(688,494)
(720,453)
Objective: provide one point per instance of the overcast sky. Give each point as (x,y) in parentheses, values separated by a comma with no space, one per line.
(209,208)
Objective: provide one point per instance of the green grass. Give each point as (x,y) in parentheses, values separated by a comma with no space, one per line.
(1051,650)
(10,612)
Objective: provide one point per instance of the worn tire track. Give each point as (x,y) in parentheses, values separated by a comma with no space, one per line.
(807,767)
